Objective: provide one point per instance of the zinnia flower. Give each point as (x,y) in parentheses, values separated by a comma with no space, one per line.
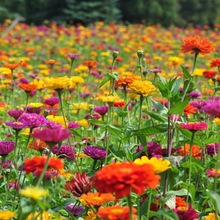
(213,172)
(73,125)
(186,213)
(80,184)
(75,210)
(102,110)
(36,164)
(196,151)
(6,214)
(122,178)
(32,120)
(159,164)
(116,212)
(51,136)
(37,144)
(96,198)
(211,216)
(212,107)
(65,151)
(209,74)
(16,125)
(34,192)
(6,147)
(190,109)
(145,88)
(198,44)
(27,87)
(73,56)
(15,113)
(194,126)
(212,149)
(215,63)
(95,152)
(57,83)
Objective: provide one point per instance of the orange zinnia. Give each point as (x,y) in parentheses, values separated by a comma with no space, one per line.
(97,199)
(185,150)
(37,144)
(27,87)
(116,212)
(124,81)
(12,66)
(122,178)
(189,109)
(196,44)
(36,164)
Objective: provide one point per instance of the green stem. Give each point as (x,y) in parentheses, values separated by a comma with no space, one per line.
(1,169)
(45,168)
(26,102)
(194,65)
(217,167)
(140,111)
(149,203)
(190,165)
(61,106)
(130,207)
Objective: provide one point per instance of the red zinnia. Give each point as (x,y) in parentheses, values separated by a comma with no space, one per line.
(209,74)
(213,172)
(194,126)
(90,64)
(122,178)
(197,44)
(116,212)
(36,164)
(215,62)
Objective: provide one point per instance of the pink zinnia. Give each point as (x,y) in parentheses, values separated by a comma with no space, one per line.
(213,172)
(194,126)
(51,136)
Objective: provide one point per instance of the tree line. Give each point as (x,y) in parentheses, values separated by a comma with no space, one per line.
(165,12)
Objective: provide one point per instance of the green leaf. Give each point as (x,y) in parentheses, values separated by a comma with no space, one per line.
(156,116)
(179,107)
(147,131)
(97,122)
(167,214)
(176,86)
(215,199)
(105,80)
(186,73)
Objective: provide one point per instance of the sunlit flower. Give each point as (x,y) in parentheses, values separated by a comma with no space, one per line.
(194,126)
(28,87)
(189,109)
(51,136)
(6,147)
(196,151)
(215,63)
(34,192)
(197,44)
(145,88)
(32,120)
(6,214)
(96,198)
(159,164)
(36,164)
(57,83)
(122,178)
(211,216)
(95,152)
(80,184)
(116,212)
(57,119)
(213,172)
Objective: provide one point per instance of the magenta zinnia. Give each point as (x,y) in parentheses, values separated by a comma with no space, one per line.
(194,126)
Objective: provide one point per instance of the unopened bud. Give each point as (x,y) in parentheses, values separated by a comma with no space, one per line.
(140,53)
(115,54)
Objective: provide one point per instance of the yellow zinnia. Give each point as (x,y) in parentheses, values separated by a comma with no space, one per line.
(34,192)
(43,216)
(145,88)
(159,164)
(211,216)
(57,83)
(217,121)
(6,214)
(57,119)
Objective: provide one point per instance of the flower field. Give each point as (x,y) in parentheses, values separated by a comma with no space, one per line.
(109,122)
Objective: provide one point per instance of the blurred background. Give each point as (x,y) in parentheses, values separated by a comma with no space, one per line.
(180,13)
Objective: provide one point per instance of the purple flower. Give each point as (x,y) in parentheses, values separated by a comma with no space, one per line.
(33,110)
(16,113)
(212,107)
(194,94)
(24,81)
(95,152)
(32,120)
(189,214)
(51,136)
(212,149)
(6,147)
(85,94)
(65,151)
(102,110)
(92,116)
(73,125)
(73,56)
(75,210)
(16,125)
(52,101)
(53,125)
(6,164)
(16,186)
